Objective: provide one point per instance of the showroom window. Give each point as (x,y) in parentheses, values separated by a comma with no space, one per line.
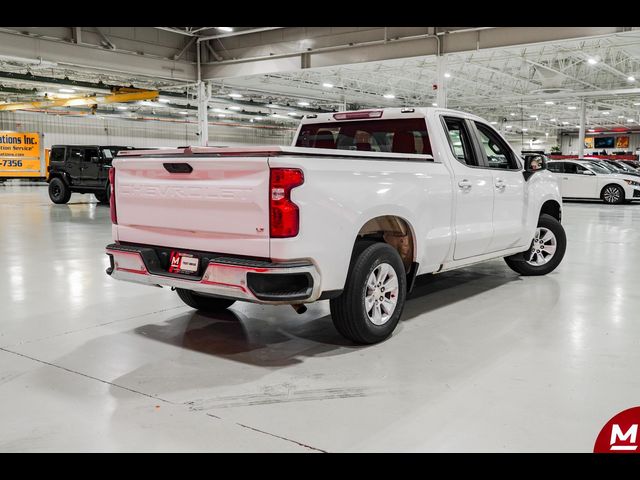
(460,141)
(391,136)
(498,153)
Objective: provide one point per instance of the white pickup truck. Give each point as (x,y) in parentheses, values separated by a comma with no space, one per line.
(360,204)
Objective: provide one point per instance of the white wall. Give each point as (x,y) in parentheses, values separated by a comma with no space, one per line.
(97,130)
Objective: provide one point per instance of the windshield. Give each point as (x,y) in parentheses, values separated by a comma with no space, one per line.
(398,135)
(597,168)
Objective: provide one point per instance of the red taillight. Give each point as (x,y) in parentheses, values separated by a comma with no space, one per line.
(284,218)
(112,197)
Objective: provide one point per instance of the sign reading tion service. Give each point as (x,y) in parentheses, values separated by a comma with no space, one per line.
(21,155)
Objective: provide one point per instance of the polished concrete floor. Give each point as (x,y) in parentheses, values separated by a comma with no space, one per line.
(484,360)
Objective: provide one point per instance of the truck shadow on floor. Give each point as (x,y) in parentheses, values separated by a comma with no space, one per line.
(276,336)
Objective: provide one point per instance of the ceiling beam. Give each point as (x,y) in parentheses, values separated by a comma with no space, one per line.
(94,57)
(287,56)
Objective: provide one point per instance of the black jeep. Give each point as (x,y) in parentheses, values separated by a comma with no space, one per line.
(81,169)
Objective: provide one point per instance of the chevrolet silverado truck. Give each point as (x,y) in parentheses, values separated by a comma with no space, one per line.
(352,212)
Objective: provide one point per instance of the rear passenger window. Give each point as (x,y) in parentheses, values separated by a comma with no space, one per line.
(460,141)
(76,155)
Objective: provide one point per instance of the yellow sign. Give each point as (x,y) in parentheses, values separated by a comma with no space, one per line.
(21,155)
(588,142)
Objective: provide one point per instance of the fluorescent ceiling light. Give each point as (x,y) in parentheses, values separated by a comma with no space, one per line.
(636,103)
(225,29)
(549,102)
(512,114)
(257,118)
(620,116)
(577,126)
(533,116)
(183,113)
(303,104)
(493,123)
(122,107)
(525,129)
(565,123)
(164,100)
(434,104)
(591,130)
(552,119)
(631,78)
(572,107)
(508,126)
(389,95)
(235,95)
(629,120)
(327,85)
(592,61)
(235,108)
(447,75)
(292,113)
(221,115)
(606,113)
(67,90)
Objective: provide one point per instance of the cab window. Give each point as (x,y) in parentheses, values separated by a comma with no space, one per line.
(460,141)
(498,154)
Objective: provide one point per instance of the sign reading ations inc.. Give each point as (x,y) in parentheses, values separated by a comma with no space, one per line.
(21,155)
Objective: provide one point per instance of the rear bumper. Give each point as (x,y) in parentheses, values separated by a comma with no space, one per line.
(224,276)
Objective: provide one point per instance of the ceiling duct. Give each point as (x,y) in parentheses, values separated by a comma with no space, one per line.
(551,81)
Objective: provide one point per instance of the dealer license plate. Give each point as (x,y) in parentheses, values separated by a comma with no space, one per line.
(183,263)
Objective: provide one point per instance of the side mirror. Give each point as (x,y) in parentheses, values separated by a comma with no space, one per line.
(534,163)
(587,172)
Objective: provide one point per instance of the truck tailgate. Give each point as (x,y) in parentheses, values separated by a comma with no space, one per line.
(220,206)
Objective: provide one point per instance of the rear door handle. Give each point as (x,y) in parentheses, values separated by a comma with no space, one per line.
(464,184)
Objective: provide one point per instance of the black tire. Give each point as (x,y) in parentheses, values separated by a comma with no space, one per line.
(103,197)
(517,263)
(612,194)
(59,191)
(348,311)
(203,302)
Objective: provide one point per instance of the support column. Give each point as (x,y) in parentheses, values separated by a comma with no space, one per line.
(441,82)
(203,119)
(203,102)
(583,124)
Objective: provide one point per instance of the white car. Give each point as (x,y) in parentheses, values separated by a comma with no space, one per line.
(360,204)
(588,179)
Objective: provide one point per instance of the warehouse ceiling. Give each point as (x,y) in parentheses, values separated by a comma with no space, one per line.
(525,88)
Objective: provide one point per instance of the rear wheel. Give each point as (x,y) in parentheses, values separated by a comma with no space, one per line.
(613,194)
(59,191)
(370,306)
(546,252)
(203,302)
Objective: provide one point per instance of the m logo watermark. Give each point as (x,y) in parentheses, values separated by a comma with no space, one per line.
(618,438)
(620,434)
